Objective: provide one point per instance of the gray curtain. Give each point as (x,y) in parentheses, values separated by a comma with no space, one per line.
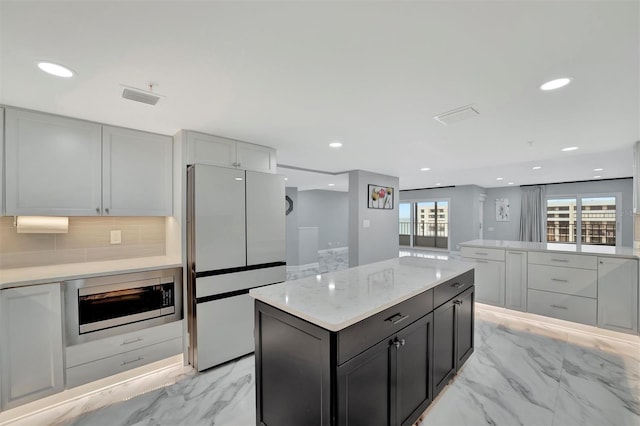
(532,214)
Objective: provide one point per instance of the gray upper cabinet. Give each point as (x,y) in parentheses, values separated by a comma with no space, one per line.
(136,173)
(53,165)
(58,166)
(223,152)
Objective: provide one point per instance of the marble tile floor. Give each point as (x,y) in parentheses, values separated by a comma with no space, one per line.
(525,370)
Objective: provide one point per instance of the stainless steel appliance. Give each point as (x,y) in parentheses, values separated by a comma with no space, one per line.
(106,306)
(235,241)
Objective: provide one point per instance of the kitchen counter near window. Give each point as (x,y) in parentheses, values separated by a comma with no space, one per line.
(53,273)
(624,252)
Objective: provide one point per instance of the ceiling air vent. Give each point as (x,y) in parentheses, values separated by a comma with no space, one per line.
(140,96)
(458,114)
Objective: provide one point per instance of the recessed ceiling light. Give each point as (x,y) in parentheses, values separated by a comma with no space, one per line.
(425,169)
(597,177)
(536,167)
(55,69)
(499,178)
(286,178)
(238,178)
(570,148)
(555,84)
(335,144)
(332,184)
(510,183)
(598,169)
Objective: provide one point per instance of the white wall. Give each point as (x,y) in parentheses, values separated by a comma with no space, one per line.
(464,210)
(509,230)
(380,240)
(329,212)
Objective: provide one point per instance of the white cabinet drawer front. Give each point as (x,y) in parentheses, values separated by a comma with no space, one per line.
(482,253)
(109,366)
(224,283)
(489,281)
(562,306)
(578,282)
(98,349)
(561,259)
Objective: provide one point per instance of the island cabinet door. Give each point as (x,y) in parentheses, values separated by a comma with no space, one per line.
(364,387)
(464,326)
(444,345)
(413,353)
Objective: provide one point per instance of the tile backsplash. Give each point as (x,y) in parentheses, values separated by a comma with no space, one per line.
(88,240)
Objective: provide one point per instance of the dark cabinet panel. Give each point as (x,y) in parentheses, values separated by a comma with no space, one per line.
(444,338)
(364,385)
(413,370)
(465,324)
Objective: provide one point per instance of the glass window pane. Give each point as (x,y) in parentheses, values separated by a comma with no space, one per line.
(561,220)
(405,221)
(598,216)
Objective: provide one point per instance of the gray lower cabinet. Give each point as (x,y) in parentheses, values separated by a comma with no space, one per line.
(379,371)
(32,348)
(516,280)
(618,294)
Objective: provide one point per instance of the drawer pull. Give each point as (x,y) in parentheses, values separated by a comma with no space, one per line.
(397,318)
(559,307)
(457,285)
(559,280)
(482,253)
(132,361)
(128,342)
(482,261)
(560,260)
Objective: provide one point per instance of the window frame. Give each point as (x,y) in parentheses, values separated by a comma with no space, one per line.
(578,197)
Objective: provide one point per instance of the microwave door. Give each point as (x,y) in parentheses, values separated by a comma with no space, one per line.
(218,215)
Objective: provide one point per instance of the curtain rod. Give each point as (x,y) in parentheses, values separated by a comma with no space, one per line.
(575,181)
(422,189)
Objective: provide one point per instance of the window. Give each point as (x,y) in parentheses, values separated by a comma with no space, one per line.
(589,220)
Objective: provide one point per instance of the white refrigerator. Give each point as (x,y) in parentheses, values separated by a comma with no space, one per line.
(235,241)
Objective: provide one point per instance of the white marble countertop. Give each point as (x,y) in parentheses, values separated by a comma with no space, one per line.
(627,252)
(45,274)
(336,300)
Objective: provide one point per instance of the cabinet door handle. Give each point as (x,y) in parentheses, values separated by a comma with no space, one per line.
(560,260)
(397,343)
(128,342)
(97,210)
(397,318)
(132,361)
(107,210)
(559,280)
(457,285)
(457,302)
(559,307)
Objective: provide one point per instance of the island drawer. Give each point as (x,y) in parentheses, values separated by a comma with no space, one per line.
(109,366)
(109,346)
(482,253)
(366,333)
(560,259)
(562,306)
(578,282)
(450,289)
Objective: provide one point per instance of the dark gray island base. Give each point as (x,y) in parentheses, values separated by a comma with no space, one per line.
(383,370)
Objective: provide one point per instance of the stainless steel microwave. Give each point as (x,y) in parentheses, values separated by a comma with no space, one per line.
(106,306)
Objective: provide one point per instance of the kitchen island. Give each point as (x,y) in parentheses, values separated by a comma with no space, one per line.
(367,345)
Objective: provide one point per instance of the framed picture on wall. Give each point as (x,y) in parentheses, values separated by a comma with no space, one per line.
(380,197)
(502,210)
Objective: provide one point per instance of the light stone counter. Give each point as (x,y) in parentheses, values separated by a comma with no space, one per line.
(54,273)
(339,299)
(625,252)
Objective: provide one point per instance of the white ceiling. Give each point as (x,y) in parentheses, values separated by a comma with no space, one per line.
(297,75)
